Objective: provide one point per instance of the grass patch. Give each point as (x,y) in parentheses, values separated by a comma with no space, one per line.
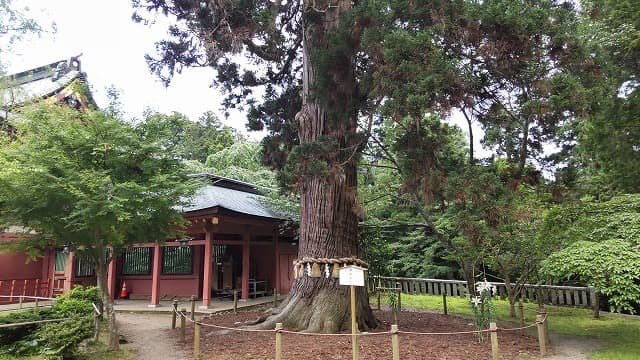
(620,333)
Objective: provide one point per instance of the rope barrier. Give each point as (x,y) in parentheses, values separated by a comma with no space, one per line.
(390,332)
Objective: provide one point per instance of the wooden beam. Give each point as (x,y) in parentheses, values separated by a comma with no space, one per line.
(68,273)
(206,279)
(155,280)
(246,254)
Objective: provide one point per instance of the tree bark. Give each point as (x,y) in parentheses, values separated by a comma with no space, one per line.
(328,201)
(107,300)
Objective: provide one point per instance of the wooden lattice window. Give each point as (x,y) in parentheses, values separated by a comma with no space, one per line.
(61,261)
(84,265)
(137,261)
(177,260)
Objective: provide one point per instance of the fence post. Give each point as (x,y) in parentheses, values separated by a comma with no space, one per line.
(399,289)
(495,348)
(542,336)
(235,302)
(378,296)
(20,300)
(193,307)
(183,326)
(444,302)
(36,303)
(595,302)
(13,287)
(173,316)
(278,341)
(196,340)
(275,298)
(395,342)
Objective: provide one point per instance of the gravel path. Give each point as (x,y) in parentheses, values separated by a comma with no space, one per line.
(148,336)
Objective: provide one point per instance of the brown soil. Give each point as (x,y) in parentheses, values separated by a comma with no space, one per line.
(229,345)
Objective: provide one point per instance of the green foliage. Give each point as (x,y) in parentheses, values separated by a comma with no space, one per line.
(78,302)
(186,139)
(60,339)
(484,311)
(55,340)
(13,334)
(601,248)
(84,180)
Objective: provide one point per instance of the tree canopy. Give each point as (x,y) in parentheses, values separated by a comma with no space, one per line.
(92,183)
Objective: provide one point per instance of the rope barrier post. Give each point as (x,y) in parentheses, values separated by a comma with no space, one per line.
(541,335)
(399,290)
(444,302)
(354,325)
(193,307)
(36,303)
(235,302)
(173,316)
(395,342)
(545,325)
(378,292)
(183,324)
(196,340)
(495,348)
(20,300)
(278,341)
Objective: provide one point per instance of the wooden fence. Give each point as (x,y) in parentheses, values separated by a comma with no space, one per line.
(544,294)
(14,289)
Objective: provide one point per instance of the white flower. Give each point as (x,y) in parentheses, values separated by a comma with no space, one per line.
(476,301)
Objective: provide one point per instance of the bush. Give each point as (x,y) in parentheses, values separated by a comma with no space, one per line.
(12,334)
(56,340)
(60,340)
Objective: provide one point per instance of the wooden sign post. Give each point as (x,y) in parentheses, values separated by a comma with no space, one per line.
(353,276)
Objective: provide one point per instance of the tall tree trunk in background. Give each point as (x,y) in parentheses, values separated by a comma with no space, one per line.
(328,203)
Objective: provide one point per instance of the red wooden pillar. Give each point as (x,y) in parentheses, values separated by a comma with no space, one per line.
(68,273)
(276,251)
(246,253)
(111,275)
(155,281)
(206,278)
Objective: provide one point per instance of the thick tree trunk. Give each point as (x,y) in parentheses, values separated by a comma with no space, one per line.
(107,301)
(328,203)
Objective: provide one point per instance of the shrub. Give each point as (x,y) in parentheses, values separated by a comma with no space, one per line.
(56,340)
(60,340)
(12,334)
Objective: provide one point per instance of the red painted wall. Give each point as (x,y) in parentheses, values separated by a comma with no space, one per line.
(139,286)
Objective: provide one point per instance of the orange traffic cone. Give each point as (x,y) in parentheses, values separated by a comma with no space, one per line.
(124,293)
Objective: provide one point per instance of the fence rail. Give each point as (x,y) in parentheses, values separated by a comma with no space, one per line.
(545,294)
(12,290)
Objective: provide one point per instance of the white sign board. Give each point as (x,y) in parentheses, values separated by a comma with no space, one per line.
(352,275)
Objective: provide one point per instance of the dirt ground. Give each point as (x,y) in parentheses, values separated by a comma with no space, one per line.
(151,337)
(218,344)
